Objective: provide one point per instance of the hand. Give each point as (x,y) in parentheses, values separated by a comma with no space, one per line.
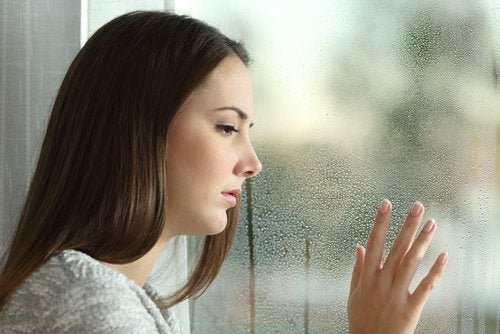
(379,298)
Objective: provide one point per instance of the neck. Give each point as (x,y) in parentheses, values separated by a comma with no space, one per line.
(139,270)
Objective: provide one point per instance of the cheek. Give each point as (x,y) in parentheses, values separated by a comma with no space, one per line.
(197,164)
(203,153)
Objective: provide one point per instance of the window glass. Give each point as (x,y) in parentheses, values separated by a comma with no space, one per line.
(357,101)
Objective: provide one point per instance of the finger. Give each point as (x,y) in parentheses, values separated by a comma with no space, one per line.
(414,256)
(405,239)
(424,289)
(376,240)
(358,267)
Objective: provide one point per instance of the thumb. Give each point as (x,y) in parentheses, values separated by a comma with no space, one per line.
(358,267)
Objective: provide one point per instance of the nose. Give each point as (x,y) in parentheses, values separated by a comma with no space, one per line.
(249,164)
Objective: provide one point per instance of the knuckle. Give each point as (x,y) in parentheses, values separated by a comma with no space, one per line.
(428,285)
(400,248)
(437,274)
(376,237)
(415,259)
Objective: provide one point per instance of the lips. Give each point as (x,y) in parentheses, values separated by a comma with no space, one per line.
(231,195)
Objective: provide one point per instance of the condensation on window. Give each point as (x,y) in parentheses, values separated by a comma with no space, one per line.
(356,101)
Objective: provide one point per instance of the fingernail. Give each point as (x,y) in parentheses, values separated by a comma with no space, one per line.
(429,226)
(384,206)
(416,209)
(358,249)
(443,258)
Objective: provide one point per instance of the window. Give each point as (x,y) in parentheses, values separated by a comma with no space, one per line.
(357,101)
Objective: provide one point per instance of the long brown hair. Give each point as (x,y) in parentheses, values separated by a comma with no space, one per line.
(99,184)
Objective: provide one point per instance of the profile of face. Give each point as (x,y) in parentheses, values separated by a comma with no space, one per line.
(209,152)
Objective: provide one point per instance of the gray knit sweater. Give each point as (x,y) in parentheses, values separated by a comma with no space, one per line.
(74,293)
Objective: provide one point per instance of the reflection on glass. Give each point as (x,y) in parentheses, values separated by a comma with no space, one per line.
(357,101)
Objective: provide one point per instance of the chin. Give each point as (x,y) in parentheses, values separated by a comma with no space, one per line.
(214,225)
(216,228)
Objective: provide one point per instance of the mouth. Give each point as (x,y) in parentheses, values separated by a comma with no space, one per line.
(231,196)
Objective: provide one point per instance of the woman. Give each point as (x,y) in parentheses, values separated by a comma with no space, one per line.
(149,139)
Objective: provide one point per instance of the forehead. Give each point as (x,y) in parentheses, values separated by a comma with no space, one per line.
(229,84)
(230,68)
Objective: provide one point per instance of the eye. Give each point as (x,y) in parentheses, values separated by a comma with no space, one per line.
(226,129)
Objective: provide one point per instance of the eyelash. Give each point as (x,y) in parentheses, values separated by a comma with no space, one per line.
(227,129)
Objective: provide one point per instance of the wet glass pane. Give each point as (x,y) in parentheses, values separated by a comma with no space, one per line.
(357,101)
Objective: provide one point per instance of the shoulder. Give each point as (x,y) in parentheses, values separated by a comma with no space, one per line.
(171,320)
(74,293)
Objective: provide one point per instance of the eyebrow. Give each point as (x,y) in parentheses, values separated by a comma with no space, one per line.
(242,115)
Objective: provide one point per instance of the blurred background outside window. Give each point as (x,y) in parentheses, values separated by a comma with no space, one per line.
(356,101)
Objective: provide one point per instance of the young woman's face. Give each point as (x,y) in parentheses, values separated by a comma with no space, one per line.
(209,153)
